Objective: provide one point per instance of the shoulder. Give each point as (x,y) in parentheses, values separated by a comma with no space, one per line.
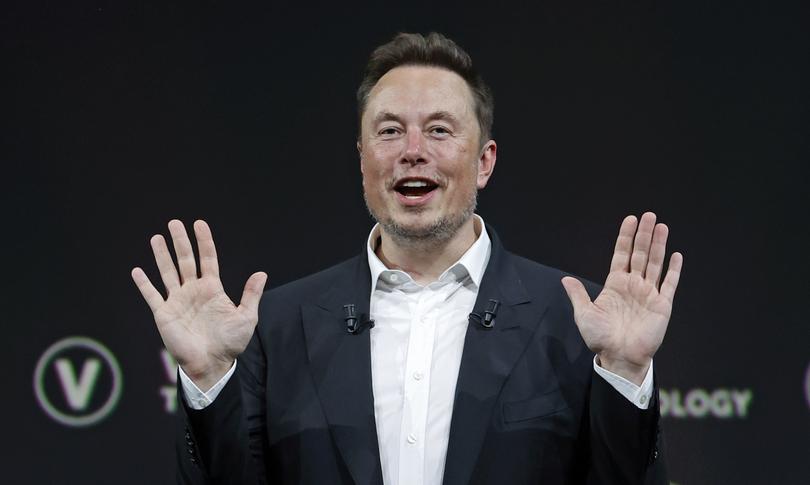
(548,298)
(280,309)
(304,289)
(538,277)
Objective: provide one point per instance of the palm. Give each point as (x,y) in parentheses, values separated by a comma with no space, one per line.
(628,319)
(200,326)
(197,318)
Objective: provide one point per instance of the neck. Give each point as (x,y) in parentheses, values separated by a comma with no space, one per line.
(425,261)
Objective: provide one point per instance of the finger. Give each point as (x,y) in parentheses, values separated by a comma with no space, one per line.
(209,266)
(576,293)
(152,296)
(670,283)
(641,244)
(657,252)
(182,247)
(253,292)
(168,272)
(624,245)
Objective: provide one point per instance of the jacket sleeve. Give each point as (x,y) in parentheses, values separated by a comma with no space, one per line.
(624,444)
(226,442)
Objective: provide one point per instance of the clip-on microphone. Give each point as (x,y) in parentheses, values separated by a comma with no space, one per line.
(353,325)
(488,320)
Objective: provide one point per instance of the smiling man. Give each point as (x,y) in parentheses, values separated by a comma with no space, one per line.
(435,356)
(423,157)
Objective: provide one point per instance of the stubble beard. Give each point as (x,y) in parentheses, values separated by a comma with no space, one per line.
(430,236)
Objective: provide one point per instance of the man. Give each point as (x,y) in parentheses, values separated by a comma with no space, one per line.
(435,356)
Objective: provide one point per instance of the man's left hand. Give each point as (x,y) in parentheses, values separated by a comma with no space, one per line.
(626,323)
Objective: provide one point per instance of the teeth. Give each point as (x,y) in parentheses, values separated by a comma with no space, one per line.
(415,183)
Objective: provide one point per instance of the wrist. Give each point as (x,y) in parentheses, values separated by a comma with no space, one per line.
(205,376)
(633,372)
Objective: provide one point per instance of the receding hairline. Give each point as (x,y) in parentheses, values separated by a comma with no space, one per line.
(440,114)
(435,114)
(431,50)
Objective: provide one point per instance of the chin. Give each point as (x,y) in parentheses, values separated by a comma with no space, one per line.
(411,229)
(425,229)
(419,225)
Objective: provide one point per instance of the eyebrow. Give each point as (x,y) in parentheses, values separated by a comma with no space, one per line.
(385,116)
(443,115)
(436,115)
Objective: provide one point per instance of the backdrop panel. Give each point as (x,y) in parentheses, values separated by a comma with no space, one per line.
(123,116)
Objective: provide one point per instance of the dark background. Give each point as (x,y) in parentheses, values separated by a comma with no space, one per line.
(120,117)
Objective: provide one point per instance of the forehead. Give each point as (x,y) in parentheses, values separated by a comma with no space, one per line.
(420,90)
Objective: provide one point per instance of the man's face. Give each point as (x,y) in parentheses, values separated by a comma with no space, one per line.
(421,154)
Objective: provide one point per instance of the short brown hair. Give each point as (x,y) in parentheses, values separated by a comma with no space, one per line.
(431,50)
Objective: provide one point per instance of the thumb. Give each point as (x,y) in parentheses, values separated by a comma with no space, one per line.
(253,292)
(576,293)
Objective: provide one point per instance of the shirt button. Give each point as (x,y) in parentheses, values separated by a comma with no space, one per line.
(417,375)
(643,399)
(394,277)
(411,438)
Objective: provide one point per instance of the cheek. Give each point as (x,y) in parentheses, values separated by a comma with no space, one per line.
(455,164)
(380,159)
(449,149)
(386,150)
(374,175)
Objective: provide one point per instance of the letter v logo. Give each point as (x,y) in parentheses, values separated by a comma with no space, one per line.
(77,396)
(78,393)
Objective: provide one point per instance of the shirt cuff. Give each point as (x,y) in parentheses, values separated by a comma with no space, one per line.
(195,397)
(638,395)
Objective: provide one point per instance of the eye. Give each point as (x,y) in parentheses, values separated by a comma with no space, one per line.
(388,131)
(440,131)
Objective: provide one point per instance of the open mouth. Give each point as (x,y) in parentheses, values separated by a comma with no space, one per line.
(413,188)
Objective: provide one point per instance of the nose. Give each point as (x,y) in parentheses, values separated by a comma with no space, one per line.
(414,148)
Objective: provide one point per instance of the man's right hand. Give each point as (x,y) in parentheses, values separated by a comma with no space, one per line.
(200,326)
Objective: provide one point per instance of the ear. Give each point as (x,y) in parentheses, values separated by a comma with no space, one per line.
(360,152)
(486,163)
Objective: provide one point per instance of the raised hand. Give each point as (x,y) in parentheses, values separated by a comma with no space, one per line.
(200,326)
(626,323)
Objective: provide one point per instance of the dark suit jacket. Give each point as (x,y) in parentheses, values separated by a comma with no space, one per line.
(529,408)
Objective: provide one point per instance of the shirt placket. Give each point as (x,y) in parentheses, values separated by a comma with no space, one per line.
(416,390)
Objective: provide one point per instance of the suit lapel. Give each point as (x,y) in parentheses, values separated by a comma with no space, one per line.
(341,369)
(487,360)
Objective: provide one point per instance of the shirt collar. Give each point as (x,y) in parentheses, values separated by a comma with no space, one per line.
(473,262)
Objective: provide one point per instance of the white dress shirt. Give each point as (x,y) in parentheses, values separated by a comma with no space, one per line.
(416,348)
